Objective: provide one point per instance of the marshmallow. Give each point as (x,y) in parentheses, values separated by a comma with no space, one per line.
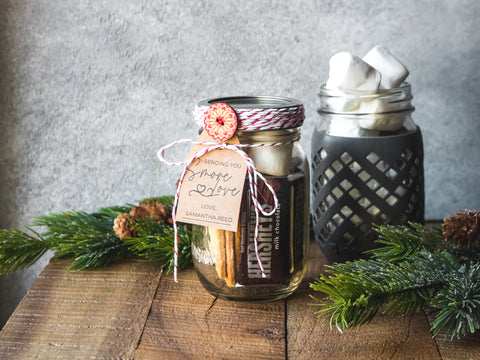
(348,72)
(272,160)
(372,106)
(378,115)
(382,122)
(392,70)
(339,103)
(348,128)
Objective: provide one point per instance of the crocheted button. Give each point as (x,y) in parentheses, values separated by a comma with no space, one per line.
(220,121)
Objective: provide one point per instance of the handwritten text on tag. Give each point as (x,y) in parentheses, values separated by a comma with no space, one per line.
(212,188)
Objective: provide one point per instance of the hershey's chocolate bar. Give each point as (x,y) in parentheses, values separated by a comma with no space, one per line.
(280,236)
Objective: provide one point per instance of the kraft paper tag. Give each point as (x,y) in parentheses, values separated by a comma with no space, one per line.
(212,187)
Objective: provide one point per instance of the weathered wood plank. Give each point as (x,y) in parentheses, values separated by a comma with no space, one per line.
(188,323)
(94,314)
(384,338)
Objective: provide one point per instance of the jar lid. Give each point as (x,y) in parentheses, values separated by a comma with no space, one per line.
(256,113)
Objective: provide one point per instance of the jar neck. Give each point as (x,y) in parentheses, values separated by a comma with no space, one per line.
(269,136)
(275,159)
(382,112)
(360,102)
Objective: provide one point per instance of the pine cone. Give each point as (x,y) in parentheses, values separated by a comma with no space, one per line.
(154,209)
(158,211)
(462,228)
(122,226)
(139,211)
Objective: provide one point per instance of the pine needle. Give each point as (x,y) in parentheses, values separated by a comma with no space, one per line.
(401,242)
(358,290)
(88,238)
(155,242)
(19,250)
(459,303)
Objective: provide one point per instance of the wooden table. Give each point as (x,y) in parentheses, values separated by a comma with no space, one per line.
(130,310)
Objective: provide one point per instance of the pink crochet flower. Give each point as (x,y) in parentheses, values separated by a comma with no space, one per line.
(220,121)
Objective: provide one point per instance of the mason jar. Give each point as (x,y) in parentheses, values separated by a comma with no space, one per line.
(225,261)
(367,168)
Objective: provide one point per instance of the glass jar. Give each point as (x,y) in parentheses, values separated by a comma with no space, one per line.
(367,168)
(225,261)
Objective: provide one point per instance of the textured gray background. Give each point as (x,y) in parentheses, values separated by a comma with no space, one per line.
(90,89)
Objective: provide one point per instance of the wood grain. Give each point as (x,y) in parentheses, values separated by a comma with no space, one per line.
(94,314)
(188,323)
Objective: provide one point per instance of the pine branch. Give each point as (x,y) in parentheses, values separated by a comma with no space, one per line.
(401,242)
(358,290)
(415,269)
(88,238)
(19,250)
(65,224)
(459,303)
(155,242)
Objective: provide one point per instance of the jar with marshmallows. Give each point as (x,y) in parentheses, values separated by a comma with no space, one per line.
(367,154)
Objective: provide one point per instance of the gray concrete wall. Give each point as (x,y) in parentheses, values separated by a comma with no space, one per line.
(89,90)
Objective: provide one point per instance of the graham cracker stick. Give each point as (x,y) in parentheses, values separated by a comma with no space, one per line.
(230,252)
(212,244)
(217,237)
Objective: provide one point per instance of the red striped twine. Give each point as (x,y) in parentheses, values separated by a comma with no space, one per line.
(261,119)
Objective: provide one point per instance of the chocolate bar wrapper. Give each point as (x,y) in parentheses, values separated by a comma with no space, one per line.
(280,241)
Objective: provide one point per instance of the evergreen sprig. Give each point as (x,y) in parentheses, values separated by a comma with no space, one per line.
(459,302)
(19,249)
(89,239)
(396,243)
(155,242)
(412,270)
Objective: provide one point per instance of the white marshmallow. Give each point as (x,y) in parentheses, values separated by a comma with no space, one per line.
(343,104)
(392,70)
(372,106)
(272,160)
(348,128)
(380,115)
(348,72)
(382,122)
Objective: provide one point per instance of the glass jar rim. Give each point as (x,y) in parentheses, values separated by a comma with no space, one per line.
(254,102)
(404,88)
(357,102)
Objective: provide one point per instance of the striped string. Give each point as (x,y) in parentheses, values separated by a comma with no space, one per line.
(261,119)
(253,176)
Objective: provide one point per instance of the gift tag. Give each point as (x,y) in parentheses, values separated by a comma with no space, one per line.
(212,187)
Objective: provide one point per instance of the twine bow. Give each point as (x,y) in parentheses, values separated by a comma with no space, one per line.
(253,176)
